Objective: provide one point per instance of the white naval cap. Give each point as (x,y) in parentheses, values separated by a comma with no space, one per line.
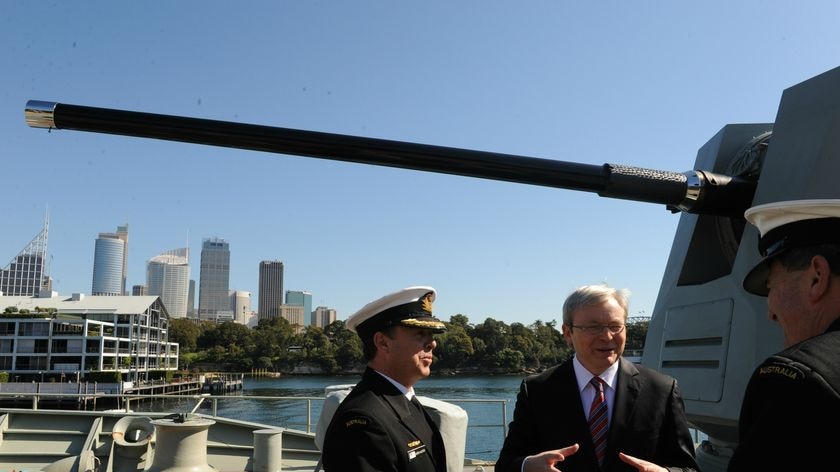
(787,224)
(411,307)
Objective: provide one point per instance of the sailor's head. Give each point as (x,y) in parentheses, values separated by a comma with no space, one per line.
(410,307)
(793,229)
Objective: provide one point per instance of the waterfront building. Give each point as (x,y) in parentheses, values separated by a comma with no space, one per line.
(70,336)
(240,303)
(299,298)
(271,289)
(214,280)
(167,276)
(109,263)
(28,274)
(323,317)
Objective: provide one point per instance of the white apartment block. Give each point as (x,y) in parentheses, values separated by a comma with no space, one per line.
(71,336)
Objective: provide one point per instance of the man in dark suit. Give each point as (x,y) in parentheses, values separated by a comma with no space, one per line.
(582,414)
(380,426)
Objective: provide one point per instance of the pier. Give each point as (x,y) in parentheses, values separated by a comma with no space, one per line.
(222,383)
(85,395)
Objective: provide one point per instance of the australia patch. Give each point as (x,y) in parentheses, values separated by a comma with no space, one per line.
(783,370)
(355,422)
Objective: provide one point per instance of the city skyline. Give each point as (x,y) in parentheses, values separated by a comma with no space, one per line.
(109,256)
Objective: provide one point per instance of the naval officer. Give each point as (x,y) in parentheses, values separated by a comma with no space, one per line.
(380,426)
(791,407)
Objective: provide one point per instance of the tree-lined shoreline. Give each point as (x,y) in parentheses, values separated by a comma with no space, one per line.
(490,347)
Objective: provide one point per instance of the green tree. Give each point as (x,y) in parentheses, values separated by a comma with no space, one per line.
(494,336)
(460,320)
(348,347)
(184,332)
(637,330)
(509,360)
(455,348)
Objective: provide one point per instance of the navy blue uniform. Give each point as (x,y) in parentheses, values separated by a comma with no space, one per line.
(791,409)
(377,429)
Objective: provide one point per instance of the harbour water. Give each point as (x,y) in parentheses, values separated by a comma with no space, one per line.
(484,436)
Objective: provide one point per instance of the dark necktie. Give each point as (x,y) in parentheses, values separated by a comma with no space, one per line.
(425,429)
(598,420)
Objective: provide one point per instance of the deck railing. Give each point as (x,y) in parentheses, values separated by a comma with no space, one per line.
(125,401)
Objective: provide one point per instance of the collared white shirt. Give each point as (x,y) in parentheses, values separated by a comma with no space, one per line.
(587,391)
(407,391)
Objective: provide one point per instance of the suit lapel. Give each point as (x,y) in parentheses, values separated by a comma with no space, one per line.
(564,387)
(413,420)
(628,386)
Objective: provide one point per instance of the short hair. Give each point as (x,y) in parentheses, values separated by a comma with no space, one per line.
(798,258)
(369,347)
(591,295)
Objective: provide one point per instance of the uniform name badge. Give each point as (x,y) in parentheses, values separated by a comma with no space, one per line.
(415,448)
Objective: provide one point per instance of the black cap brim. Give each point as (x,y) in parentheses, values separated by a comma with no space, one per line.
(756,280)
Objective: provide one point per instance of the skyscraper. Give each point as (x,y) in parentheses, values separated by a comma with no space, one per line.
(191,300)
(298,298)
(27,273)
(122,233)
(109,263)
(323,317)
(240,302)
(168,276)
(271,289)
(214,280)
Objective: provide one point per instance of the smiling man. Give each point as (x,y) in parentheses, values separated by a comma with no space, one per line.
(380,426)
(580,415)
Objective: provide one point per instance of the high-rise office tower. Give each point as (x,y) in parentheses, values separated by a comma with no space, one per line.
(191,300)
(298,298)
(109,263)
(323,317)
(168,276)
(28,274)
(271,289)
(122,233)
(138,290)
(240,303)
(214,280)
(294,315)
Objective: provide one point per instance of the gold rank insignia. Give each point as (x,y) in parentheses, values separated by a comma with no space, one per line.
(427,302)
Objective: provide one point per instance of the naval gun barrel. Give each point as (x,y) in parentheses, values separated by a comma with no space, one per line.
(696,191)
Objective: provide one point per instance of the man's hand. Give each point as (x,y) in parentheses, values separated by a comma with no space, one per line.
(545,461)
(640,465)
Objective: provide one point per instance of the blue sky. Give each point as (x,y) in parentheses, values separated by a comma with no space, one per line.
(637,83)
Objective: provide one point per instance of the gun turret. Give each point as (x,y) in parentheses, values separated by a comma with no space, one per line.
(697,191)
(705,330)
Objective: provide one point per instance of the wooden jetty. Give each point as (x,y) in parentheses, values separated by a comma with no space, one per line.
(222,383)
(85,395)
